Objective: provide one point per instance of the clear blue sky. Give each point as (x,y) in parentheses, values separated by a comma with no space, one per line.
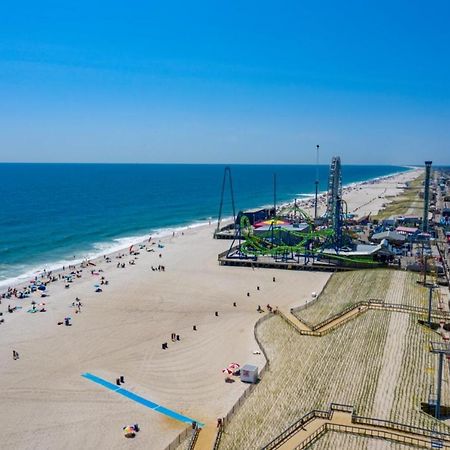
(229,81)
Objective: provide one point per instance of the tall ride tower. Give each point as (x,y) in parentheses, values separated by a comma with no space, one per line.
(426,196)
(334,200)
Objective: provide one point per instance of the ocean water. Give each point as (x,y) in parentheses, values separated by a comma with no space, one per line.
(52,214)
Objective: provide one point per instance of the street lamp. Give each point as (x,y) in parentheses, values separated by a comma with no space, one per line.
(430,298)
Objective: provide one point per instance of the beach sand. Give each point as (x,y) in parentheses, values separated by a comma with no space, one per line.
(47,404)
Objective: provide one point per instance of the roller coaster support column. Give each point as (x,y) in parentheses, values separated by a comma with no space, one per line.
(226,171)
(441,349)
(337,223)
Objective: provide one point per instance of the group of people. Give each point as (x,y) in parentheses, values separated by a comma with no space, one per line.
(269,308)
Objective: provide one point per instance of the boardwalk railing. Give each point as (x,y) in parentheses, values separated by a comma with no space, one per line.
(179,439)
(400,427)
(290,431)
(343,408)
(360,425)
(382,434)
(313,437)
(194,437)
(216,444)
(365,303)
(372,304)
(415,309)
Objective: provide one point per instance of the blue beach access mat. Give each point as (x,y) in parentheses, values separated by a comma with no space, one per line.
(138,399)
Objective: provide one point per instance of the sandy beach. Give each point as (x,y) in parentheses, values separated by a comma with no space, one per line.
(46,403)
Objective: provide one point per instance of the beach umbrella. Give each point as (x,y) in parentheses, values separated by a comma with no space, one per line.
(42,287)
(227,371)
(233,366)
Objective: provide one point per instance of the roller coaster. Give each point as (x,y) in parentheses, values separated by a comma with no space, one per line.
(300,240)
(309,246)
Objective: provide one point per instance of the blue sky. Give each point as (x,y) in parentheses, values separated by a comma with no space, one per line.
(231,82)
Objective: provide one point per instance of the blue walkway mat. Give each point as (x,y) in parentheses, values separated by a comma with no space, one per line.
(138,399)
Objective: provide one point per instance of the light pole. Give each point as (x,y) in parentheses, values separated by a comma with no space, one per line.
(441,349)
(316,182)
(430,299)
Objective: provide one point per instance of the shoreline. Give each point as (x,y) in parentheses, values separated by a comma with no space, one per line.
(121,244)
(120,331)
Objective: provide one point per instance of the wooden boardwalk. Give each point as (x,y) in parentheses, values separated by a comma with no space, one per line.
(341,418)
(352,312)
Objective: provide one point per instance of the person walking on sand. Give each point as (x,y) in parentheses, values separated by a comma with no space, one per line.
(15,355)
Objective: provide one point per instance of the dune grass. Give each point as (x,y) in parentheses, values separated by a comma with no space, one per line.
(344,366)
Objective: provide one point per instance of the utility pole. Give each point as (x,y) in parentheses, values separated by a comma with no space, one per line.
(430,299)
(424,263)
(441,349)
(316,182)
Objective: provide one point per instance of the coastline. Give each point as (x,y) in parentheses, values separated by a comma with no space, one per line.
(120,330)
(121,244)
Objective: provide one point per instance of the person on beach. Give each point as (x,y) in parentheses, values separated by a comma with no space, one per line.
(15,355)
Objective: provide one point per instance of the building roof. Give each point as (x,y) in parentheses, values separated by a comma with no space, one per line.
(407,230)
(392,236)
(288,227)
(360,250)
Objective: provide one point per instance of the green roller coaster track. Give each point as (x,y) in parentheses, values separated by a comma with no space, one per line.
(258,246)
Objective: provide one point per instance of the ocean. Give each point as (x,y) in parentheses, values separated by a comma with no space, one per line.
(55,214)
